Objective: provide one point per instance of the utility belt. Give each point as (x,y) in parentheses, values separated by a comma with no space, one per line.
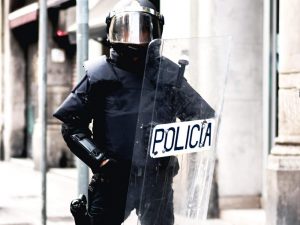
(123,171)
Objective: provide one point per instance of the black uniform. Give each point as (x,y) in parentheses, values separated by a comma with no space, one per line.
(109,95)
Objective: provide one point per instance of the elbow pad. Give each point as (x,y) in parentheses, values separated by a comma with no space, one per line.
(87,151)
(82,145)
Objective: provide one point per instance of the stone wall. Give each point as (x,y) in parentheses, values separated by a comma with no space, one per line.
(1,75)
(241,151)
(241,144)
(283,192)
(14,95)
(59,84)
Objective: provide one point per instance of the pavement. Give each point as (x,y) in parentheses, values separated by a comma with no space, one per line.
(20,197)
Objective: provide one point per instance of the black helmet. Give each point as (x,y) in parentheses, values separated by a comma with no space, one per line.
(134,22)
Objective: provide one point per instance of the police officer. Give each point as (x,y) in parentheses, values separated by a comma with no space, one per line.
(109,97)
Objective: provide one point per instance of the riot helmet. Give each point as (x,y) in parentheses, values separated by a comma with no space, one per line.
(134,23)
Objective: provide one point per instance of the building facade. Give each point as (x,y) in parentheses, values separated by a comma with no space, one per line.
(258,157)
(20,84)
(283,165)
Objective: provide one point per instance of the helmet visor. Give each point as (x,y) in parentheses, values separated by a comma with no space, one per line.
(133,28)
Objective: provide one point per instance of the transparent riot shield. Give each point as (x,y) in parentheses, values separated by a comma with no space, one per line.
(177,130)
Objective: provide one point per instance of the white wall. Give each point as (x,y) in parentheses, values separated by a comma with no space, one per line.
(240,158)
(177,18)
(240,154)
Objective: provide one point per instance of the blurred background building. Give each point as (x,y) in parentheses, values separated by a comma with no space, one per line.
(259,155)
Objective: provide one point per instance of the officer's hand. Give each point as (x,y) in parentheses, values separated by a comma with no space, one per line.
(103,163)
(107,163)
(107,167)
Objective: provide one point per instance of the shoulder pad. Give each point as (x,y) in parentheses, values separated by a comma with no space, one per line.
(72,110)
(166,69)
(99,70)
(169,70)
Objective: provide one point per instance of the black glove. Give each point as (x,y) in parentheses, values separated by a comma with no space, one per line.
(106,167)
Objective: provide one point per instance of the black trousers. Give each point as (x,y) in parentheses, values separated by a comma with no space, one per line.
(113,196)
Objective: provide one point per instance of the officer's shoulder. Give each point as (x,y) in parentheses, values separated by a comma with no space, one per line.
(99,69)
(169,69)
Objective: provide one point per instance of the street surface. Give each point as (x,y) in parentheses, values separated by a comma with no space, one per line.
(20,197)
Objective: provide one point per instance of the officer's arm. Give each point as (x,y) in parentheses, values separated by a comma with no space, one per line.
(80,142)
(76,115)
(190,105)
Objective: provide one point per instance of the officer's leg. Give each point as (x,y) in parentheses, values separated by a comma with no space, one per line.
(101,197)
(131,197)
(158,211)
(107,196)
(157,207)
